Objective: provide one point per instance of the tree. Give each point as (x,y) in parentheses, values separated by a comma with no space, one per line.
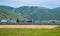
(17,20)
(53,21)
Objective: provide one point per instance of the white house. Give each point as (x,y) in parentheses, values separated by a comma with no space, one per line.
(3,20)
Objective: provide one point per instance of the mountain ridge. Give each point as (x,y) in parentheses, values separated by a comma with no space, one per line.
(37,13)
(6,14)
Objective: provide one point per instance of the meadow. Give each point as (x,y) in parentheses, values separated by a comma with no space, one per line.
(29,32)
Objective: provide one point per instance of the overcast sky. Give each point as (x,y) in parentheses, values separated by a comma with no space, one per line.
(40,3)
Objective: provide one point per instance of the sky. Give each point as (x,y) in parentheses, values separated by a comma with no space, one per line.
(39,3)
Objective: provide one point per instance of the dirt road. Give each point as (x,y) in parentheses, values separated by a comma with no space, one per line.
(29,26)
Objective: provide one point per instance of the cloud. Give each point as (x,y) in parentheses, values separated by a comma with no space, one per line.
(43,3)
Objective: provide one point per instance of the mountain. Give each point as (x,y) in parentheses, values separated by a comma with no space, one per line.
(39,13)
(7,7)
(56,12)
(6,14)
(30,12)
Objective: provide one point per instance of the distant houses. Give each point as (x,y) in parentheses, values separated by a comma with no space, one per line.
(7,20)
(3,20)
(32,21)
(10,20)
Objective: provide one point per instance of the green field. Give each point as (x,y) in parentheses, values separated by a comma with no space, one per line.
(29,32)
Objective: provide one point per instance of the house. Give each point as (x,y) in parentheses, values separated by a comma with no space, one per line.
(3,20)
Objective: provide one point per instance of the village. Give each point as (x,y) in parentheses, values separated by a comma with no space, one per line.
(7,20)
(31,21)
(10,20)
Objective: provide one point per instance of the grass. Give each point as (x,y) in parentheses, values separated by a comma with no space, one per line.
(29,32)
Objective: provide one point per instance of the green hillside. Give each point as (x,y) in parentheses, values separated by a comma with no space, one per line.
(7,7)
(5,14)
(30,12)
(39,13)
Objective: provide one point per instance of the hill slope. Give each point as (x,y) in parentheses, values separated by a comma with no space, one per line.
(30,12)
(6,14)
(38,13)
(7,7)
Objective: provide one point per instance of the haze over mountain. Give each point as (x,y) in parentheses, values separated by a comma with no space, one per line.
(30,12)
